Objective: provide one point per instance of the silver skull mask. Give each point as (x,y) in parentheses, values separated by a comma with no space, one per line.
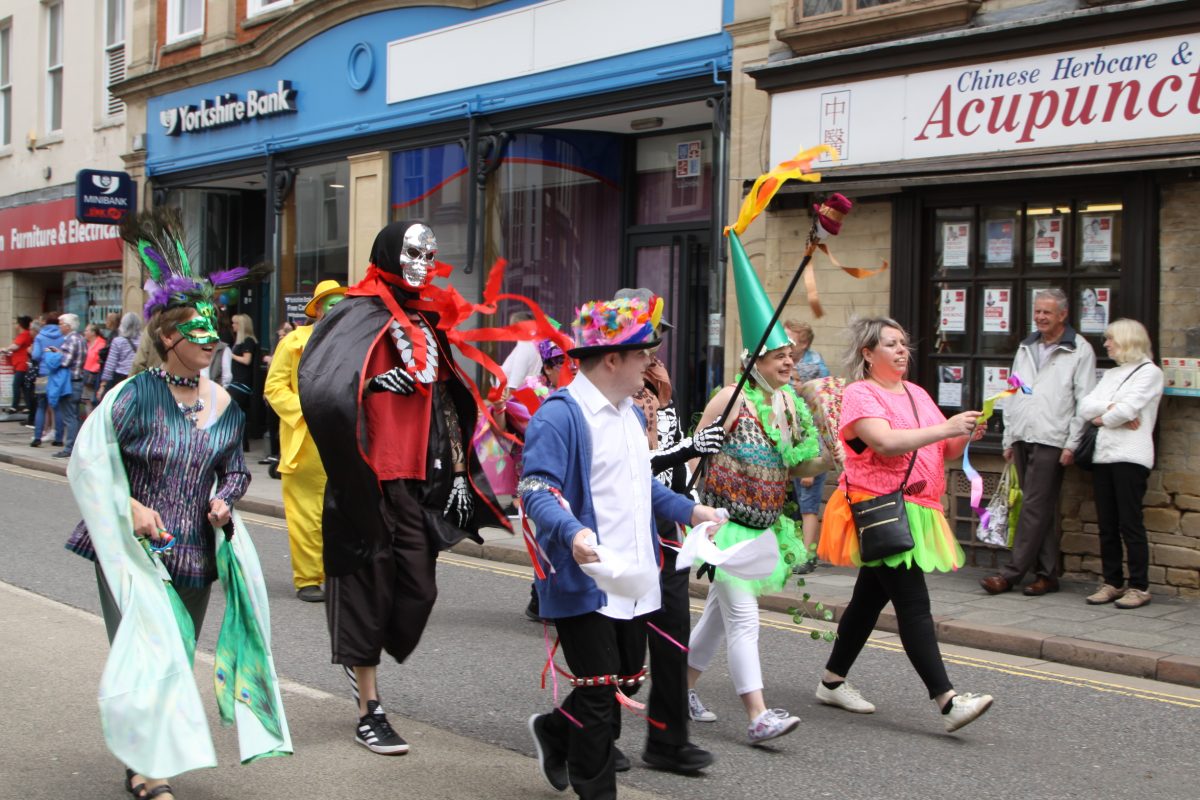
(417,255)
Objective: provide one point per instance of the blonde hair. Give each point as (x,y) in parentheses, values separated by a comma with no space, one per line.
(865,333)
(1131,339)
(245,328)
(801,329)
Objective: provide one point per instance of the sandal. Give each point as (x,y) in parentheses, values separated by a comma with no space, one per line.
(139,791)
(157,790)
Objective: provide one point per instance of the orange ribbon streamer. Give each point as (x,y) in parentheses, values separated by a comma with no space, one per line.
(798,168)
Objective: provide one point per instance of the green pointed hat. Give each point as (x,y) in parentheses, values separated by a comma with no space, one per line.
(754,308)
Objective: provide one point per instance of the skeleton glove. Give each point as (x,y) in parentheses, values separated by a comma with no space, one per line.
(396,380)
(460,504)
(708,441)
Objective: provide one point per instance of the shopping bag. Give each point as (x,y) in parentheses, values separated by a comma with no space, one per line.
(995,530)
(1015,496)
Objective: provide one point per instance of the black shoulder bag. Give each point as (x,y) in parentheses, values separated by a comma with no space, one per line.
(882,522)
(1085,452)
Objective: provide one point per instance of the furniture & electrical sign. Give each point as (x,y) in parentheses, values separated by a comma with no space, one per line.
(1112,93)
(229,109)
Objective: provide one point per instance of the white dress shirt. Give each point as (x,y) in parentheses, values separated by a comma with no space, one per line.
(620,488)
(523,362)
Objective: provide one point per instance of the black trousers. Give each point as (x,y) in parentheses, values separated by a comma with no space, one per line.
(592,645)
(386,604)
(1119,489)
(1036,546)
(668,664)
(905,587)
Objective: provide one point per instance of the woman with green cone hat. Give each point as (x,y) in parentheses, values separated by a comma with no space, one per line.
(770,437)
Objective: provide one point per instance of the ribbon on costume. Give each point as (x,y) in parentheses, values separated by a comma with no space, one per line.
(1015,384)
(797,168)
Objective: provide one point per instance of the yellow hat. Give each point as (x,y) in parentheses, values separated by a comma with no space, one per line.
(324,289)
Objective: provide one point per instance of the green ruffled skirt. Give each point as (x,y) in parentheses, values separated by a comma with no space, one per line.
(791,552)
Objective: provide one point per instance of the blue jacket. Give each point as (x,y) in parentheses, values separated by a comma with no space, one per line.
(558,453)
(58,384)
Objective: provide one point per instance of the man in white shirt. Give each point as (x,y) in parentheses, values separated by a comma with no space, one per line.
(588,484)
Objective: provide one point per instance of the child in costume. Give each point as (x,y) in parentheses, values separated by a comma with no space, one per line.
(770,437)
(157,469)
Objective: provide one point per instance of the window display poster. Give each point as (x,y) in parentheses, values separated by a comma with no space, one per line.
(1093,308)
(687,159)
(997,307)
(995,380)
(1097,239)
(954,311)
(1000,241)
(1047,240)
(950,385)
(956,238)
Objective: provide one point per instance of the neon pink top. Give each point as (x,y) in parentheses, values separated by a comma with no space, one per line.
(878,475)
(92,362)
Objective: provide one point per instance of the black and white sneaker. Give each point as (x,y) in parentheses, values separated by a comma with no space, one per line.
(375,732)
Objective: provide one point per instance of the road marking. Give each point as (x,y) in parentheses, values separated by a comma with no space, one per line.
(37,475)
(1106,687)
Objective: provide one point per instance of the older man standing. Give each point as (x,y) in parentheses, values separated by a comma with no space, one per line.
(74,353)
(1041,433)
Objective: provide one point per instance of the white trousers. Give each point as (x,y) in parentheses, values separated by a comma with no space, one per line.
(730,613)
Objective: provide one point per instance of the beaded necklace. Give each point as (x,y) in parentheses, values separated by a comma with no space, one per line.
(193,411)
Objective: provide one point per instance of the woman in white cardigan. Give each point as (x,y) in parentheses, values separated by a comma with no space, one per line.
(1124,406)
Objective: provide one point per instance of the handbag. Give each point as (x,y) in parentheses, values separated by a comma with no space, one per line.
(995,532)
(1085,452)
(882,522)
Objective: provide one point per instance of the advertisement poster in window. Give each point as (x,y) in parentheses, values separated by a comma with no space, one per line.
(997,310)
(687,159)
(1097,239)
(1000,241)
(1047,240)
(956,239)
(950,385)
(1093,308)
(995,380)
(954,311)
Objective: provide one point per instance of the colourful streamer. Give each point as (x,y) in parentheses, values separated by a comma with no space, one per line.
(1015,384)
(797,168)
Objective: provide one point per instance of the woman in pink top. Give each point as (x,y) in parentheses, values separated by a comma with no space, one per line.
(885,419)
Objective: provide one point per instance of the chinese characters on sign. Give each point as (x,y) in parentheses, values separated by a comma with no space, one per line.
(835,123)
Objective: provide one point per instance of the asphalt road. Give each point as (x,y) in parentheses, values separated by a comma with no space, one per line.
(1055,731)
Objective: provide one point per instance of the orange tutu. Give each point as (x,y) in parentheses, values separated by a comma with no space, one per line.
(935,549)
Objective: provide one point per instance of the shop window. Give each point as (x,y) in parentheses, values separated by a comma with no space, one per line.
(823,25)
(5,86)
(256,7)
(429,184)
(986,264)
(674,178)
(322,225)
(54,66)
(185,19)
(92,296)
(114,54)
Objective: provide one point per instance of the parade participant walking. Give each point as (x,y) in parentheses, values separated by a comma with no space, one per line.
(1041,432)
(770,439)
(159,469)
(895,436)
(385,400)
(118,364)
(303,475)
(587,483)
(1124,408)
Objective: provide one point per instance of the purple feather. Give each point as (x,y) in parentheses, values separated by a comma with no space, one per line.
(227,276)
(157,258)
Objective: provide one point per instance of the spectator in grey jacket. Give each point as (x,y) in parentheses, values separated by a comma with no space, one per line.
(118,365)
(1041,433)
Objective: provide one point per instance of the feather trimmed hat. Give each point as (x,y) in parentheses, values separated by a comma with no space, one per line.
(611,326)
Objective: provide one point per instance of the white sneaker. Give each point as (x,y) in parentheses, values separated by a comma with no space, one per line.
(844,696)
(965,709)
(696,710)
(771,724)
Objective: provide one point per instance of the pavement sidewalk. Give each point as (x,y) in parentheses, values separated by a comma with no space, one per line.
(1160,641)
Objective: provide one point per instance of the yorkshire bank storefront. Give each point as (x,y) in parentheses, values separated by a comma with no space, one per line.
(996,161)
(49,261)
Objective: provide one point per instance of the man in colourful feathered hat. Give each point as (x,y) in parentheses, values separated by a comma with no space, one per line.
(588,486)
(303,475)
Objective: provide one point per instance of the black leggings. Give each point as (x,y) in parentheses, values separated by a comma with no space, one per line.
(905,587)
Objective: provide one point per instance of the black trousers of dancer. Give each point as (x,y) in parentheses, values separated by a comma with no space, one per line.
(905,587)
(668,664)
(593,644)
(1119,490)
(386,604)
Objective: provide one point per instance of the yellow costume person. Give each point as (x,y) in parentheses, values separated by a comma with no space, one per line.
(300,467)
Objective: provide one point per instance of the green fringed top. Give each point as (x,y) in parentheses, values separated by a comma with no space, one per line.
(793,452)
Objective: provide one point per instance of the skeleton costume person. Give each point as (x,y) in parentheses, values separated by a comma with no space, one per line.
(392,415)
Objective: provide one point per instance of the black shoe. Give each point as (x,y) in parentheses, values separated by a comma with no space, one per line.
(273,471)
(375,732)
(36,443)
(61,454)
(58,443)
(620,760)
(684,758)
(532,612)
(311,594)
(552,761)
(805,567)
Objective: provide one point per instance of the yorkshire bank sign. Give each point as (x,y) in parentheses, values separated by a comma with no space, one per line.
(1114,93)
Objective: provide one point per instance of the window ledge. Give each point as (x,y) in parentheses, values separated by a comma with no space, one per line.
(835,32)
(52,138)
(266,17)
(105,123)
(6,151)
(191,40)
